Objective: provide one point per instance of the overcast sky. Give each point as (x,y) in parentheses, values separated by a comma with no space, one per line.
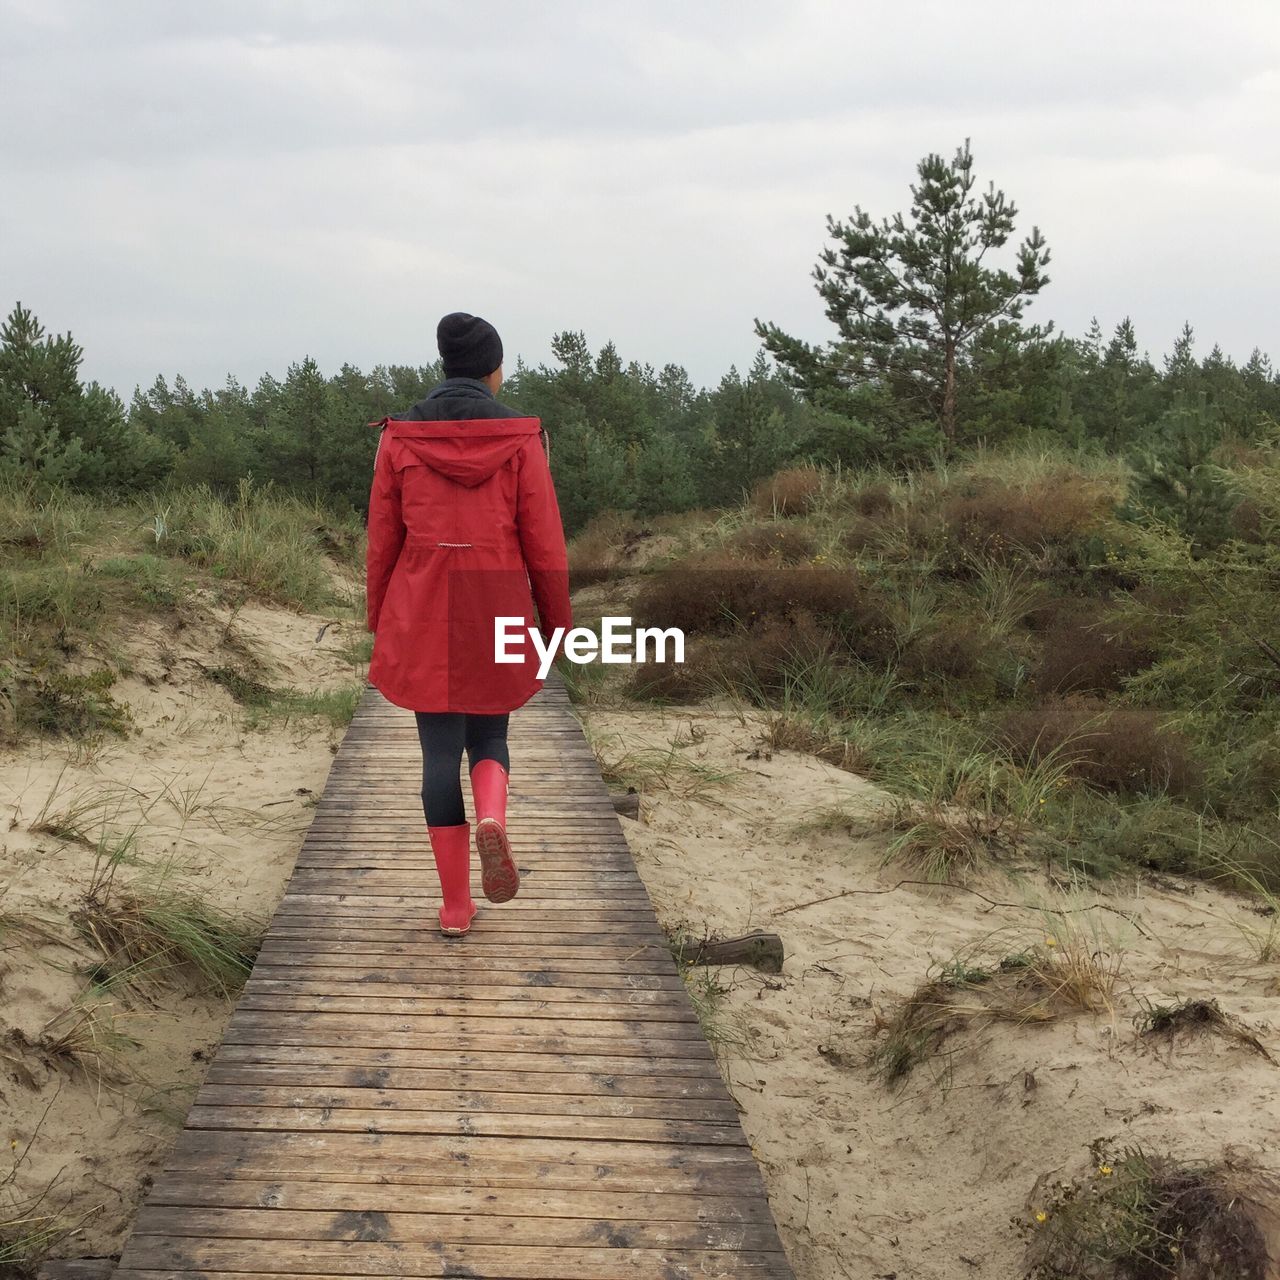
(209,188)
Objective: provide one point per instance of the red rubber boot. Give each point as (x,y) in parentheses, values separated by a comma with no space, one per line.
(451,847)
(499,875)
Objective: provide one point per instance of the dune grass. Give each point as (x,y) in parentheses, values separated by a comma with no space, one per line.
(273,543)
(1020,978)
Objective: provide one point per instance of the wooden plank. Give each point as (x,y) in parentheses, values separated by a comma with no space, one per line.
(611,1067)
(465,1160)
(528,1202)
(263,984)
(614,1260)
(471,1123)
(320,1226)
(483,1097)
(454,1007)
(536,1101)
(528,1084)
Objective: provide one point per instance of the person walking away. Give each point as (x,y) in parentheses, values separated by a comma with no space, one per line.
(464,528)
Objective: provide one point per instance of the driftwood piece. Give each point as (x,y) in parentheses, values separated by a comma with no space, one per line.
(628,805)
(759,949)
(77,1269)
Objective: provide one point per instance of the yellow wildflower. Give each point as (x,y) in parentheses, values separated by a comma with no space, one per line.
(1042,1216)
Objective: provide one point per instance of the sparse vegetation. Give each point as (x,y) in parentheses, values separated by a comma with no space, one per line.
(653,769)
(721,1027)
(1142,1215)
(1195,1017)
(272,542)
(1060,973)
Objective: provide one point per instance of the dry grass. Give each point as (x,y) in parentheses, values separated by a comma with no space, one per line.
(1059,974)
(777,541)
(1196,1017)
(32,1225)
(788,493)
(148,931)
(783,732)
(975,806)
(656,769)
(87,1035)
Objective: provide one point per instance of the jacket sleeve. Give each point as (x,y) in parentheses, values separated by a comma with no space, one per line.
(542,540)
(385,533)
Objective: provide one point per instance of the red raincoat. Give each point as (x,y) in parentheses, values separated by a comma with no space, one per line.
(464,528)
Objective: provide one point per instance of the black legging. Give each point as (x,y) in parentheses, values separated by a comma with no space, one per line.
(443,735)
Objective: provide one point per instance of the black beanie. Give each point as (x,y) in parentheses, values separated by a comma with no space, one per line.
(470,347)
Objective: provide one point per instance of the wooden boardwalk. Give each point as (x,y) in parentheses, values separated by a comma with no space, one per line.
(535,1101)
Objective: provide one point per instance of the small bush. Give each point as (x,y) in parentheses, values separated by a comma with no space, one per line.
(1143,1216)
(62,705)
(791,544)
(764,658)
(594,552)
(716,593)
(1081,653)
(872,500)
(788,493)
(996,521)
(955,650)
(675,682)
(1115,748)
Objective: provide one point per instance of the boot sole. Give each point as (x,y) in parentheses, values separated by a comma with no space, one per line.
(452,931)
(499,875)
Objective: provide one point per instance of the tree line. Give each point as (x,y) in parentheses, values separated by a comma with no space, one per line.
(932,354)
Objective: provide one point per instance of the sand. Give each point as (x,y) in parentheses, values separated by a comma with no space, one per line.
(922,1181)
(222,808)
(917,1182)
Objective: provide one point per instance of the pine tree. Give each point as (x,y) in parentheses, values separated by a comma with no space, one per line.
(1176,478)
(663,478)
(56,429)
(909,296)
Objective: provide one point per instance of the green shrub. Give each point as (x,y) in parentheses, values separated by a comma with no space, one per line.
(60,704)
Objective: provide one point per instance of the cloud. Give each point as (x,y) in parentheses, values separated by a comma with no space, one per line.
(228,187)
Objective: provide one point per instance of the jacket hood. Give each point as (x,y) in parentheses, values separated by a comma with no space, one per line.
(467,450)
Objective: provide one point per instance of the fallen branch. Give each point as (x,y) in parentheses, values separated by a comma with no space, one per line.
(760,950)
(964,888)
